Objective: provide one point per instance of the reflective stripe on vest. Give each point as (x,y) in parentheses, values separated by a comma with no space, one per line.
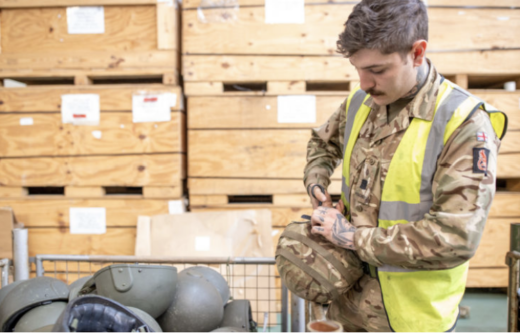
(416,300)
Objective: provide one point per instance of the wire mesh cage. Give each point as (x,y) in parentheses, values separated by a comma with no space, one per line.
(254,279)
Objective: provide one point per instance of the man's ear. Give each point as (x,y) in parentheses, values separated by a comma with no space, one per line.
(419,52)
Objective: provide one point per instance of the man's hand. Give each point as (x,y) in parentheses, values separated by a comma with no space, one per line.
(319,195)
(332,225)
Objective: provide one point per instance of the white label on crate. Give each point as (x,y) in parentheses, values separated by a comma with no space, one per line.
(172,99)
(151,107)
(80,109)
(285,11)
(90,221)
(26,121)
(176,207)
(8,83)
(86,20)
(97,134)
(297,109)
(202,244)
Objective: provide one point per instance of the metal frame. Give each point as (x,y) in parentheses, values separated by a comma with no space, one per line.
(4,266)
(297,322)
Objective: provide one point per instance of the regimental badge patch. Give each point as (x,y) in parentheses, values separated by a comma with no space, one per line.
(480,160)
(482,136)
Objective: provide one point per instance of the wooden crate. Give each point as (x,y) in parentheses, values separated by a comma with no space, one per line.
(140,40)
(487,267)
(244,31)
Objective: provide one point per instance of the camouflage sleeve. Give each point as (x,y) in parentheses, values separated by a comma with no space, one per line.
(450,233)
(325,149)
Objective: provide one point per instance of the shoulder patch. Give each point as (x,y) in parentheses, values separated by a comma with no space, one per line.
(480,160)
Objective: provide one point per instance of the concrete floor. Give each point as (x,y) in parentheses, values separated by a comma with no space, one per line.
(488,311)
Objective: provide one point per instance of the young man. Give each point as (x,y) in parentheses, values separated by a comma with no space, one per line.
(419,165)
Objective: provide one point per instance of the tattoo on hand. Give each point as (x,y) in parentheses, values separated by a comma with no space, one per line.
(343,233)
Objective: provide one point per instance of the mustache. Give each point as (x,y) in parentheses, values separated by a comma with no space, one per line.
(374,92)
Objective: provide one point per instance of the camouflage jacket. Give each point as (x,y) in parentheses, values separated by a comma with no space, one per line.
(449,234)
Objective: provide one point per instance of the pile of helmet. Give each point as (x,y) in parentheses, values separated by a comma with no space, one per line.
(126,298)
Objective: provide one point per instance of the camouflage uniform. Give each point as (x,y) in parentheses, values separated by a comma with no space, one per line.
(446,237)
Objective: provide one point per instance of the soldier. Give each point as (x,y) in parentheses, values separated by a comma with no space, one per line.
(419,165)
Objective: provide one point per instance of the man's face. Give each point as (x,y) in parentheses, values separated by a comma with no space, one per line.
(387,77)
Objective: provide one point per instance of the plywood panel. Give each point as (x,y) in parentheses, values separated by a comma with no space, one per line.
(125,170)
(44,30)
(487,278)
(251,112)
(507,165)
(114,97)
(116,134)
(248,153)
(54,212)
(450,29)
(57,3)
(289,68)
(116,241)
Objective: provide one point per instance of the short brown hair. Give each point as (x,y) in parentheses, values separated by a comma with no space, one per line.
(386,25)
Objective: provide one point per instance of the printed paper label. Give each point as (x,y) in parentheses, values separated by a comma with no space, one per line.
(80,109)
(90,221)
(151,107)
(285,11)
(202,243)
(26,121)
(86,20)
(176,207)
(297,109)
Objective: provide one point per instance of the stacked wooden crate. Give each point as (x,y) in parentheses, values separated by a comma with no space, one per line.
(107,174)
(237,67)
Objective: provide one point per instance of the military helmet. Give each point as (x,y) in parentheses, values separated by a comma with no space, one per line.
(92,313)
(76,286)
(196,306)
(213,277)
(230,329)
(237,314)
(146,287)
(6,289)
(312,267)
(41,318)
(149,320)
(27,295)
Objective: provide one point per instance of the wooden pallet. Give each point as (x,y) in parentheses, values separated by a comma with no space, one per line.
(246,33)
(140,39)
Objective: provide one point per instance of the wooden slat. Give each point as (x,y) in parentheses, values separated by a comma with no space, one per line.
(507,166)
(102,63)
(167,26)
(116,241)
(279,200)
(84,192)
(248,153)
(450,29)
(60,3)
(125,170)
(48,136)
(116,97)
(55,212)
(487,278)
(202,186)
(505,204)
(509,102)
(251,112)
(289,68)
(151,192)
(190,4)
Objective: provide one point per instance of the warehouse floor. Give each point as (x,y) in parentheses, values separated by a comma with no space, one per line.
(488,311)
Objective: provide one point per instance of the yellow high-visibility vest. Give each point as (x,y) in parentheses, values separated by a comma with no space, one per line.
(417,300)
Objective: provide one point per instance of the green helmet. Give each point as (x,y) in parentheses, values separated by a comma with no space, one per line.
(149,320)
(230,329)
(237,314)
(312,267)
(146,287)
(27,295)
(196,306)
(5,290)
(213,277)
(76,286)
(41,318)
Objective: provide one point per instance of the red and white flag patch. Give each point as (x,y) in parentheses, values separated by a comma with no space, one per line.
(482,136)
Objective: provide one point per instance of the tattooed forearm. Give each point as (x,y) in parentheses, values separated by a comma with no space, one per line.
(343,233)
